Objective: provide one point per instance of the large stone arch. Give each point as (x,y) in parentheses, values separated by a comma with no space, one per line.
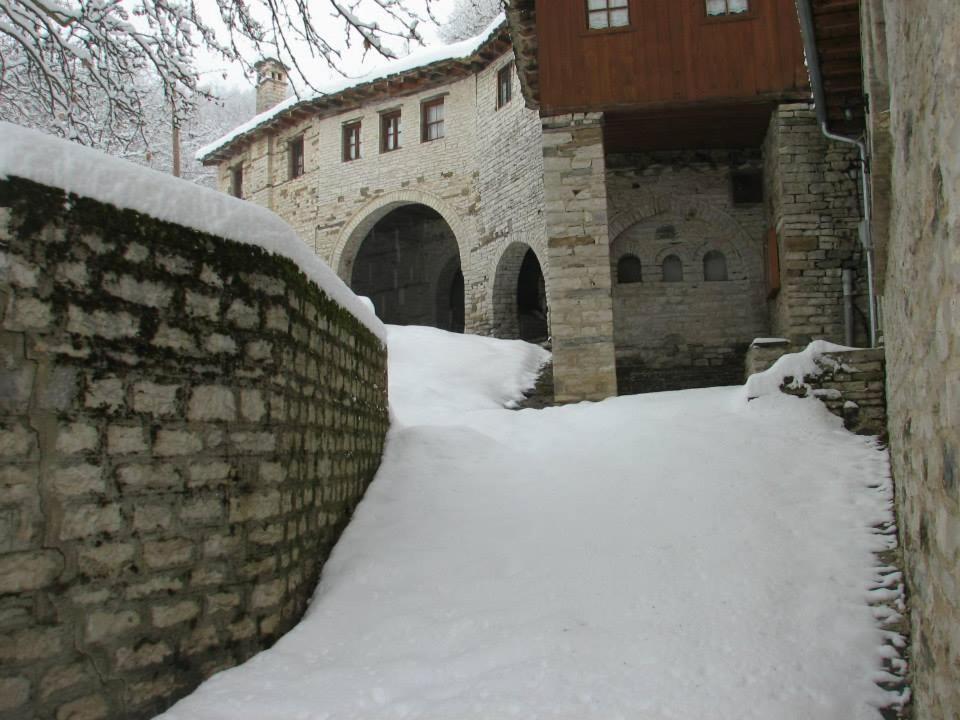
(653,205)
(353,233)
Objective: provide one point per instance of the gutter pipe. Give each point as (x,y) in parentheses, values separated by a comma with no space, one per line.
(805,14)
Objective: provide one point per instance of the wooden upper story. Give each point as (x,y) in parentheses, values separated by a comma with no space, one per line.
(661,53)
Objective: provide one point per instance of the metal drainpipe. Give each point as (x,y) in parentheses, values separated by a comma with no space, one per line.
(819,100)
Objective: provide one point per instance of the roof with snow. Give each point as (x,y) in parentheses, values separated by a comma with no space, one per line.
(414,73)
(81,171)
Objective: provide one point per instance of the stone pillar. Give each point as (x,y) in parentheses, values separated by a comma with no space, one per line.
(813,197)
(578,248)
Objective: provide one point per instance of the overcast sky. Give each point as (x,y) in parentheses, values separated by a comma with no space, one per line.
(354,62)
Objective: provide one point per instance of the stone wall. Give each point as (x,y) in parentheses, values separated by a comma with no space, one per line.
(692,332)
(186,425)
(813,200)
(484,177)
(849,382)
(922,327)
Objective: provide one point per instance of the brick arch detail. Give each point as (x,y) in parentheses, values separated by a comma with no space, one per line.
(355,232)
(652,205)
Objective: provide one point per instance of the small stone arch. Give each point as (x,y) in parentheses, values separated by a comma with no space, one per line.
(715,266)
(671,268)
(510,320)
(354,232)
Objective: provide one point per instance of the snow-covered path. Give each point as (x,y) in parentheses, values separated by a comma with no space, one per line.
(679,555)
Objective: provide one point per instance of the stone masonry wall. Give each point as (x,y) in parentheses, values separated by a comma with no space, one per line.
(812,194)
(692,333)
(922,327)
(581,306)
(484,177)
(186,425)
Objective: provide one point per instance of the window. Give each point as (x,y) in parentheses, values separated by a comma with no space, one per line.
(747,187)
(236,181)
(295,155)
(390,131)
(504,85)
(432,120)
(672,269)
(629,270)
(717,8)
(607,14)
(714,266)
(351,141)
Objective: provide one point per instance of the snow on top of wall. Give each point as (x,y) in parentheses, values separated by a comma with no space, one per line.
(48,160)
(792,365)
(420,58)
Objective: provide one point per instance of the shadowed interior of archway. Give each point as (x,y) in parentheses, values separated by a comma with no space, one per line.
(409,266)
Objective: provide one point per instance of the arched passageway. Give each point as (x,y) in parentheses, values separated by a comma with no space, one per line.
(519,296)
(409,266)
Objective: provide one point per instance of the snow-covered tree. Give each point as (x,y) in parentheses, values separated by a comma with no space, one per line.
(80,61)
(468,18)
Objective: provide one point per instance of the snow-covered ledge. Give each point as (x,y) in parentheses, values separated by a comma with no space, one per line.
(191,406)
(849,381)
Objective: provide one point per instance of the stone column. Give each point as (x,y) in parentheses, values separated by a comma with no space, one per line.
(578,248)
(812,190)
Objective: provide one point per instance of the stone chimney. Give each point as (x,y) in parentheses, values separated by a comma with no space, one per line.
(271,83)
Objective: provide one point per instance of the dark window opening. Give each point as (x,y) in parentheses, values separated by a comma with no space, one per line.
(351,142)
(504,85)
(390,131)
(672,269)
(236,181)
(603,14)
(295,150)
(747,187)
(714,266)
(629,270)
(432,120)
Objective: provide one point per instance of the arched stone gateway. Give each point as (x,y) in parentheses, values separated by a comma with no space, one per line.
(355,232)
(519,296)
(408,264)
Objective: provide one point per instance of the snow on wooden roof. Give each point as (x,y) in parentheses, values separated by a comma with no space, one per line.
(82,171)
(416,72)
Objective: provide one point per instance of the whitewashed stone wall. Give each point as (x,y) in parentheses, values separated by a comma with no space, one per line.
(484,177)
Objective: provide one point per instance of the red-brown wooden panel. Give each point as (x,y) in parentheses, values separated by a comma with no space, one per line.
(672,53)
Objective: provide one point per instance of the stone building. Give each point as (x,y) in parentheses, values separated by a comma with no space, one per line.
(652,229)
(901,69)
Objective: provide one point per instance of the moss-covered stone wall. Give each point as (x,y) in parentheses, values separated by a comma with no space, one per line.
(186,424)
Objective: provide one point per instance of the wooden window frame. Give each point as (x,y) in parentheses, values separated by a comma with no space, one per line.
(236,181)
(609,27)
(391,117)
(425,125)
(728,16)
(296,169)
(350,130)
(504,79)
